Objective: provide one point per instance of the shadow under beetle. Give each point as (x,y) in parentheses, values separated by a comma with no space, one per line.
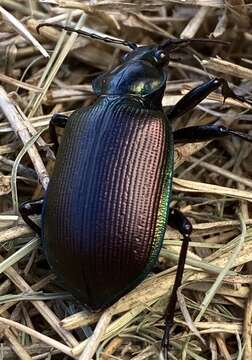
(106,209)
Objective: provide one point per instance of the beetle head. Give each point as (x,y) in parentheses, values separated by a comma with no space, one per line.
(160,54)
(142,72)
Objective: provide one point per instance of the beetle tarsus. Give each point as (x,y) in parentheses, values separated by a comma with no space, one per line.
(165,343)
(227,92)
(58,120)
(171,45)
(30,208)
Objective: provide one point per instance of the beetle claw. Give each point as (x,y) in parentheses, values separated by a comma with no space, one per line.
(166,340)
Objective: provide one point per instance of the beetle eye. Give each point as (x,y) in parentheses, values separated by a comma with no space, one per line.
(160,56)
(125,57)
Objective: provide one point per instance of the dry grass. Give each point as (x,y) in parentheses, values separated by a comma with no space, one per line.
(212,183)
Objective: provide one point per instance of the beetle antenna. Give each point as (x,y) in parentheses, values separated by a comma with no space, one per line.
(107,39)
(173,44)
(214,41)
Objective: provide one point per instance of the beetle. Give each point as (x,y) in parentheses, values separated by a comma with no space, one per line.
(107,205)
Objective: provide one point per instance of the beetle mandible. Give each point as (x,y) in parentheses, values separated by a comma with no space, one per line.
(107,205)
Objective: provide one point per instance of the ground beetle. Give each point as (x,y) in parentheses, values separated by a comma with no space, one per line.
(107,206)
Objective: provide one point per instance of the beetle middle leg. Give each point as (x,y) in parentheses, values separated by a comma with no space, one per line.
(179,222)
(192,134)
(196,95)
(60,121)
(30,208)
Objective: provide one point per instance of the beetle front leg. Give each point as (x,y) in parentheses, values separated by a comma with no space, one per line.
(60,121)
(179,222)
(196,95)
(30,208)
(192,134)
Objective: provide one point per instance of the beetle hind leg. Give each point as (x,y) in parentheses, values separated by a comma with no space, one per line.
(57,120)
(30,208)
(179,222)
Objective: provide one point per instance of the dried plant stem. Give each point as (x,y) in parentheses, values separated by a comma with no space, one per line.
(194,186)
(247,329)
(16,6)
(192,27)
(65,50)
(227,67)
(111,348)
(19,254)
(56,344)
(8,80)
(49,316)
(18,126)
(19,350)
(213,3)
(36,287)
(226,173)
(22,30)
(14,232)
(95,339)
(230,263)
(222,346)
(181,153)
(239,11)
(217,181)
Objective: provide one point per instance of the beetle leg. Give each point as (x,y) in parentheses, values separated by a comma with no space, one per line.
(30,208)
(179,222)
(199,133)
(196,95)
(60,121)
